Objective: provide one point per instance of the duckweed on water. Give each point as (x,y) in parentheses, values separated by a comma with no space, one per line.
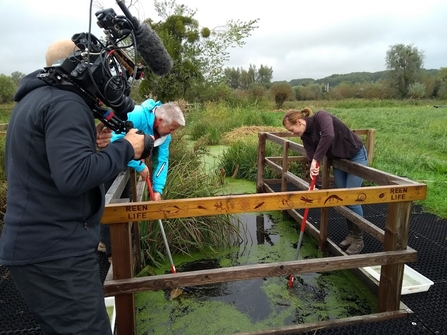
(256,304)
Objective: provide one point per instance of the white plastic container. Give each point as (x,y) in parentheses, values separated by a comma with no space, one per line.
(110,302)
(413,281)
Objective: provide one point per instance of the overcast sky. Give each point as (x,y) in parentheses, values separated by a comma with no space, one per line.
(298,39)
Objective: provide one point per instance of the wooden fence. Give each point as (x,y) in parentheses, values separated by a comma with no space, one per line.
(399,193)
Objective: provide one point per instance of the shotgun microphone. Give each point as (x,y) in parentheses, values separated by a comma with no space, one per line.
(151,49)
(148,44)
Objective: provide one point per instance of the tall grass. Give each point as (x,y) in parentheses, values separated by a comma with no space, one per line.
(241,156)
(211,121)
(187,179)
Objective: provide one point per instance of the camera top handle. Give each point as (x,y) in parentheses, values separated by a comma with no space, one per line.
(126,12)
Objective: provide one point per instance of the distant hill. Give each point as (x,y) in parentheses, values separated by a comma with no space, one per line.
(354,77)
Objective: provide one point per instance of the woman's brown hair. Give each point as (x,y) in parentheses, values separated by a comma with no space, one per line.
(293,115)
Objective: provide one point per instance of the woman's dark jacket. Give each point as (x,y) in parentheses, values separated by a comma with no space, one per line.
(327,135)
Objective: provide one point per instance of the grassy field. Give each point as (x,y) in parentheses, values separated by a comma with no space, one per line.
(410,142)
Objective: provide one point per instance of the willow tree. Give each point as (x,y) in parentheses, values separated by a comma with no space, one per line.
(198,53)
(405,64)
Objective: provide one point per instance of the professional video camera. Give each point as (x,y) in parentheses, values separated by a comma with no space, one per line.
(103,72)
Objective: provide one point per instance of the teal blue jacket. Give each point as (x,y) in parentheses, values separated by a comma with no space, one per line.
(143,118)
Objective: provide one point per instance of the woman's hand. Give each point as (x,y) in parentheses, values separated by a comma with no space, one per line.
(314,168)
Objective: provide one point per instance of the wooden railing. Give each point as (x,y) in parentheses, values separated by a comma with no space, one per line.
(399,193)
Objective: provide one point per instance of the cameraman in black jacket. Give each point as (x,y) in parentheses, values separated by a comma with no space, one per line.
(55,202)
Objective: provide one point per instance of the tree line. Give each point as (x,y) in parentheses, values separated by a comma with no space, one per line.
(404,78)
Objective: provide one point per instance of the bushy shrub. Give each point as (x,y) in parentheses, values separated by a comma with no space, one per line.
(7,89)
(281,92)
(417,91)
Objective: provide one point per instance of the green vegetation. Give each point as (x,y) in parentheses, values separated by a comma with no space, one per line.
(187,179)
(110,310)
(211,121)
(198,53)
(405,61)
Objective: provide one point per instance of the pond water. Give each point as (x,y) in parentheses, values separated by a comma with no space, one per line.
(257,304)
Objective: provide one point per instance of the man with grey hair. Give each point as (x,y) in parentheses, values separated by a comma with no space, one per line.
(160,121)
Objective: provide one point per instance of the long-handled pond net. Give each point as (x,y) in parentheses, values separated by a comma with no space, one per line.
(178,290)
(303,226)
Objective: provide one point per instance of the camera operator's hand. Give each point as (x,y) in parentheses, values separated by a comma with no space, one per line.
(137,141)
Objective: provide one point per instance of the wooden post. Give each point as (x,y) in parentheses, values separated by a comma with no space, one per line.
(285,165)
(370,140)
(396,238)
(121,240)
(261,163)
(260,229)
(136,225)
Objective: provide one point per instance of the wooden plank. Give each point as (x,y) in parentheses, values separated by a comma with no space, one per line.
(116,189)
(279,140)
(285,166)
(296,181)
(363,223)
(290,158)
(140,188)
(274,166)
(368,173)
(122,262)
(261,162)
(180,208)
(314,327)
(235,273)
(332,247)
(360,131)
(283,134)
(274,138)
(120,235)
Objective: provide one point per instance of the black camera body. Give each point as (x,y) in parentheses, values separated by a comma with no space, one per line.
(102,72)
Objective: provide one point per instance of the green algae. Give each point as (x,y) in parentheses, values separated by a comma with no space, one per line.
(110,310)
(236,186)
(255,304)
